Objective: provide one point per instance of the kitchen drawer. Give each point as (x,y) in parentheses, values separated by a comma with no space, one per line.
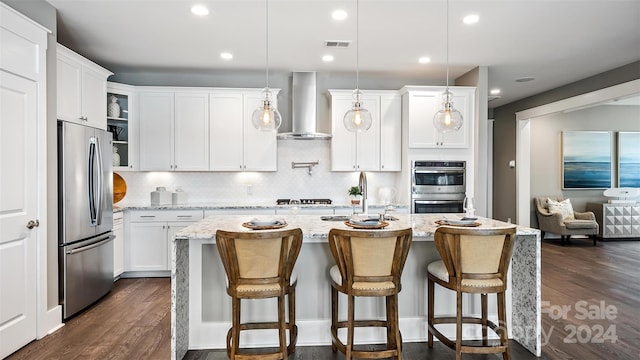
(166,215)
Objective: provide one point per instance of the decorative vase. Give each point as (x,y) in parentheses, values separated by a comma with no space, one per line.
(113,108)
(116,157)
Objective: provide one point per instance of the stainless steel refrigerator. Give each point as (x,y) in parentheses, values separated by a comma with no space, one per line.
(85,213)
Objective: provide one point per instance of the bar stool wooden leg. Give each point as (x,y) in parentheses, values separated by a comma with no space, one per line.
(350,327)
(483,305)
(235,328)
(458,324)
(430,297)
(334,318)
(502,324)
(393,331)
(293,328)
(282,326)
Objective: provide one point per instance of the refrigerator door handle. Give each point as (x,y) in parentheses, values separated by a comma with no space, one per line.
(91,179)
(92,245)
(99,195)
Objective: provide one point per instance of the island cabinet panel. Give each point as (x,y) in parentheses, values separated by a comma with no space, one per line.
(421,103)
(235,145)
(377,149)
(174,129)
(148,244)
(81,89)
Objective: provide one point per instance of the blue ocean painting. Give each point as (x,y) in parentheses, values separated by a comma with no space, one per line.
(629,159)
(586,159)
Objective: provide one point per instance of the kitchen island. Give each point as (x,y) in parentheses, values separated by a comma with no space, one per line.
(201,308)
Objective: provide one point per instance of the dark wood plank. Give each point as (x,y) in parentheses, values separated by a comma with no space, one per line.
(133,321)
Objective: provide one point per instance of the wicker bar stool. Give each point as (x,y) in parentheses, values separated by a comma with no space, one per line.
(259,265)
(474,260)
(368,263)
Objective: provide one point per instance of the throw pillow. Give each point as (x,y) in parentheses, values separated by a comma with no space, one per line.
(563,207)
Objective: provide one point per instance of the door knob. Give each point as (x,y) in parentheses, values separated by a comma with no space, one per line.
(31,224)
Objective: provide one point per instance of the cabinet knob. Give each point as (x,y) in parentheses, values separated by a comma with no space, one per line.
(175,166)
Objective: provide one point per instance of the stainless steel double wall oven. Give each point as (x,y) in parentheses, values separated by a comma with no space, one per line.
(437,186)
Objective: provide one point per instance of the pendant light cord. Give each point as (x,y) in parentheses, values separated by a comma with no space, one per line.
(267,42)
(447,36)
(357,45)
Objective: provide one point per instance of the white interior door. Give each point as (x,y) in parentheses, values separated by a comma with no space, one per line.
(18,206)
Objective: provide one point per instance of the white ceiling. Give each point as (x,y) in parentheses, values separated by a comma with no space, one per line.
(556,42)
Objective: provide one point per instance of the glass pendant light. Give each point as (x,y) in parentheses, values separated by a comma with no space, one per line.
(448,118)
(266,117)
(357,119)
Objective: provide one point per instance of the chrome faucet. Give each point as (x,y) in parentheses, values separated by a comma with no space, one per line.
(362,185)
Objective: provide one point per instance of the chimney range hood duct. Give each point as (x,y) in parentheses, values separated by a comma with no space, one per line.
(303,109)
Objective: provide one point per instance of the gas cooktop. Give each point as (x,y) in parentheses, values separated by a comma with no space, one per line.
(304,201)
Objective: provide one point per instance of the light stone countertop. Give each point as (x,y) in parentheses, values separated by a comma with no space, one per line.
(215,206)
(317,230)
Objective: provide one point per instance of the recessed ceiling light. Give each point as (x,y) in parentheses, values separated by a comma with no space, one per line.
(226,56)
(525,79)
(471,19)
(327,58)
(339,15)
(495,91)
(199,10)
(424,60)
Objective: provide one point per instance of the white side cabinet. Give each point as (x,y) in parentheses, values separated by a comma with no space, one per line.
(149,241)
(81,89)
(619,220)
(377,149)
(235,145)
(118,244)
(174,128)
(421,103)
(121,122)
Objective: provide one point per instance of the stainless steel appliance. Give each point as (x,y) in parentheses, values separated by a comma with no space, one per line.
(85,213)
(437,186)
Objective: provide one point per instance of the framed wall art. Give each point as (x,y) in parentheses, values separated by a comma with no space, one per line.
(586,159)
(629,159)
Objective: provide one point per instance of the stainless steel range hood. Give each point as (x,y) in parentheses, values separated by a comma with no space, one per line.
(303,109)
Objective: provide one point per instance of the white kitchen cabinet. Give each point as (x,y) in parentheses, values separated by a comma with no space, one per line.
(421,103)
(377,149)
(174,129)
(118,244)
(81,89)
(121,122)
(149,241)
(235,145)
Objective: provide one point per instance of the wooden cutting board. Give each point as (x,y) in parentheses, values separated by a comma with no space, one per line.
(119,188)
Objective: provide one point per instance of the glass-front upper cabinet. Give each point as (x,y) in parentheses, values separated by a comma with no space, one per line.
(121,123)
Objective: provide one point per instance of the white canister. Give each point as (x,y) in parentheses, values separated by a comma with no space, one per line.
(178,197)
(160,196)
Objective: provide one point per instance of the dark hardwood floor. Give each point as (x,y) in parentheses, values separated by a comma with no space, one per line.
(590,294)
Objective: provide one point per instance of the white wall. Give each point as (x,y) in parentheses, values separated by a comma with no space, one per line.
(266,187)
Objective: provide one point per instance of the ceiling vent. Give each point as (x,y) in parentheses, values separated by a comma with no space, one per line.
(343,44)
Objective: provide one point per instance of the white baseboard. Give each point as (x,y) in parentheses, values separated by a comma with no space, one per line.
(50,322)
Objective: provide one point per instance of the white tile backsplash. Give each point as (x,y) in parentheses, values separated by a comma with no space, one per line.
(262,187)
